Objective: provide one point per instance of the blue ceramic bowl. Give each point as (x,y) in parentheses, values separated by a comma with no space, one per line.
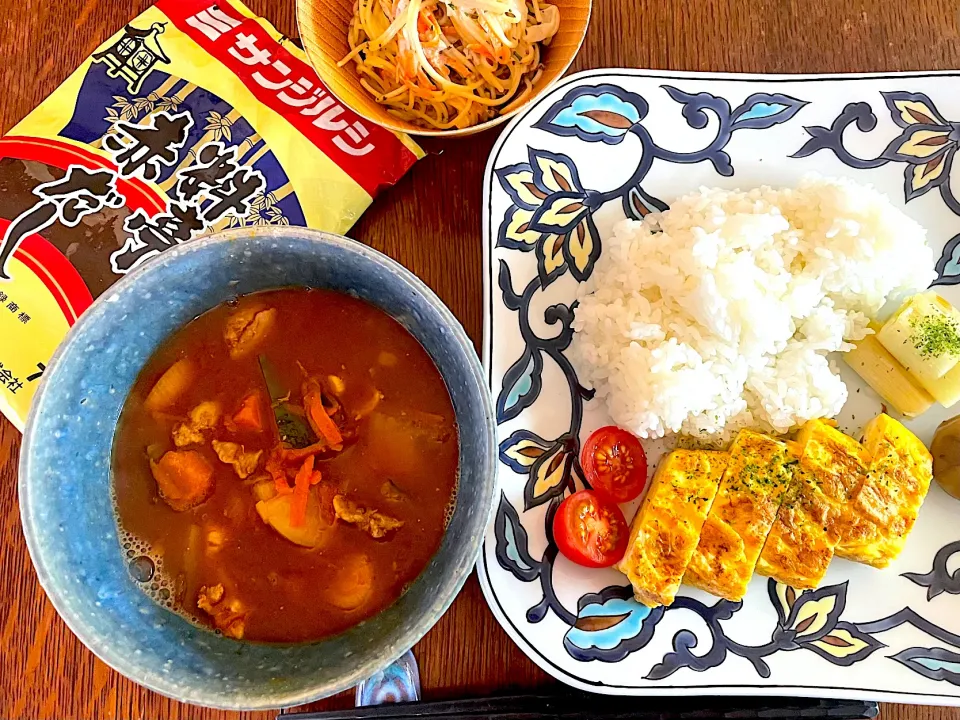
(68,518)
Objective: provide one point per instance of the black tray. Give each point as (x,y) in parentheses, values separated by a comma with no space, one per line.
(583,706)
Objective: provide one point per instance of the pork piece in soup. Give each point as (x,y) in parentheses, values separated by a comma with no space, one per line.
(284,466)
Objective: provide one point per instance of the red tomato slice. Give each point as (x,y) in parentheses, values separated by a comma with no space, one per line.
(615,464)
(590,530)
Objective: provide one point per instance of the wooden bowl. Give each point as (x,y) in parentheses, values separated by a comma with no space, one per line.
(323,29)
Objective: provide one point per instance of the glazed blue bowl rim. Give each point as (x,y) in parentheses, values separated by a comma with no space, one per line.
(36,541)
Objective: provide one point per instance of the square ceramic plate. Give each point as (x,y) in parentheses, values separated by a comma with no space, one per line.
(613,143)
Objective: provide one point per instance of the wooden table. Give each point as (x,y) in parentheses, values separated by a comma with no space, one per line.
(430,222)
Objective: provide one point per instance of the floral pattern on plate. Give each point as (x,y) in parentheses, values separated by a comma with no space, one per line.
(608,145)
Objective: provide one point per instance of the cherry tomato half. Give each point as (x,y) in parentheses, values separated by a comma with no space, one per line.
(615,464)
(590,530)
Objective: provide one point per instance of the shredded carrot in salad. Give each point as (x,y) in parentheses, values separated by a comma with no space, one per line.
(445,64)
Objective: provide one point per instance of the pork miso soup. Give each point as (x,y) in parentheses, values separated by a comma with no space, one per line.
(285,466)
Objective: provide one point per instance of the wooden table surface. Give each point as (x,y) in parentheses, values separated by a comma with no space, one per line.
(430,222)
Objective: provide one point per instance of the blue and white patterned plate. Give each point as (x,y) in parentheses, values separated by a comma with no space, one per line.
(608,144)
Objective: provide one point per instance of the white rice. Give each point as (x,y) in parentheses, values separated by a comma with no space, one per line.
(720,312)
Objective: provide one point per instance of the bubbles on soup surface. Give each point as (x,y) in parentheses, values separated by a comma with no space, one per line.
(146,568)
(142,569)
(451,506)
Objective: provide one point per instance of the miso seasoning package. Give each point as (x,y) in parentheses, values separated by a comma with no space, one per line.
(196,117)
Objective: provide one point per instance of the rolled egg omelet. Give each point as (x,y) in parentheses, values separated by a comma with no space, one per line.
(885,507)
(809,524)
(837,462)
(759,473)
(665,531)
(803,538)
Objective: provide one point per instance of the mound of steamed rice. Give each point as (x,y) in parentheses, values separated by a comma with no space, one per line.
(720,312)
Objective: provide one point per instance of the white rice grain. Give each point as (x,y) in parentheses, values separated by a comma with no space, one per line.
(720,312)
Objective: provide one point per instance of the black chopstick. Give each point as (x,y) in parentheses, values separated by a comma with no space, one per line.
(582,706)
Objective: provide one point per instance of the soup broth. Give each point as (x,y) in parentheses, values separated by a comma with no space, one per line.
(284,466)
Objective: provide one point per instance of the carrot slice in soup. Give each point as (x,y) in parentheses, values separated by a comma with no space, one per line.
(275,468)
(301,493)
(249,416)
(294,456)
(320,422)
(184,478)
